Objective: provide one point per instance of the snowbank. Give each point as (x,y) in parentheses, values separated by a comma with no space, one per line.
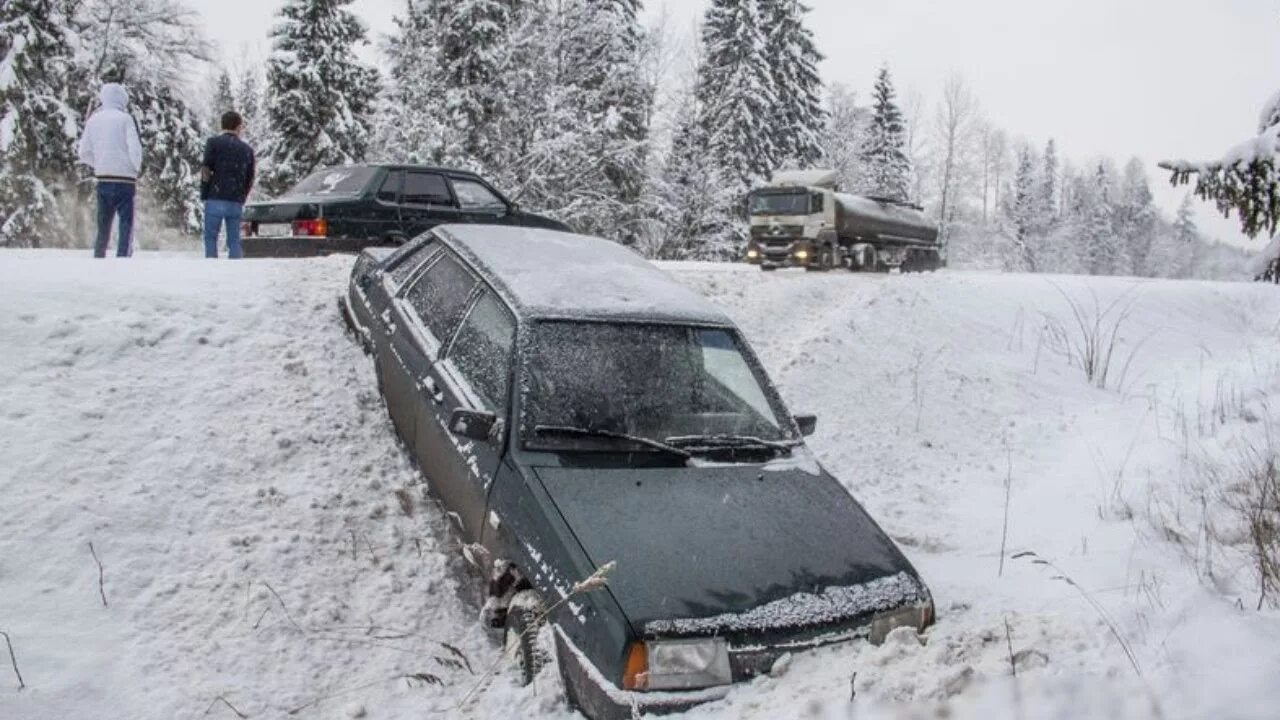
(265,544)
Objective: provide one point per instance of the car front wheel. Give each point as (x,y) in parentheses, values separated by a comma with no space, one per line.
(524,622)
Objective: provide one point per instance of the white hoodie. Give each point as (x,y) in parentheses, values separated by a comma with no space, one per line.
(110,143)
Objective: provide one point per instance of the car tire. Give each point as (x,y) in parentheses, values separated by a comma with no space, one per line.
(520,642)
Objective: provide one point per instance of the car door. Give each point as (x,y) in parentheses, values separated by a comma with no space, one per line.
(381,211)
(479,203)
(436,302)
(401,360)
(426,201)
(474,373)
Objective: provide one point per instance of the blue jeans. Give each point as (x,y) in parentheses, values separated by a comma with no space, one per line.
(114,198)
(217,213)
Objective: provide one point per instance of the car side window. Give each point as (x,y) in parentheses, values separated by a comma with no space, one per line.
(440,296)
(421,188)
(474,196)
(389,191)
(481,352)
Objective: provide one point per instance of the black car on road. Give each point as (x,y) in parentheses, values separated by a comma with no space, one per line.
(572,406)
(349,208)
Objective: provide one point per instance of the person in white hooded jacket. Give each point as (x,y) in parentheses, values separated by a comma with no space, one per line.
(111,146)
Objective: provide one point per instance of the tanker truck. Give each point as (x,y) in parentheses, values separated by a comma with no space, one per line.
(799,220)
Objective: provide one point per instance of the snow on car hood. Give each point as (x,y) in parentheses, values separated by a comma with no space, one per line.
(714,542)
(829,605)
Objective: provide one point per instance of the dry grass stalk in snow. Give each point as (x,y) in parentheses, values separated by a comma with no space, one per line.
(1092,342)
(13,659)
(1232,527)
(102,589)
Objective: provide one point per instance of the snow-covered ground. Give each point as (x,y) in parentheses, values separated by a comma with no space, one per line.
(265,546)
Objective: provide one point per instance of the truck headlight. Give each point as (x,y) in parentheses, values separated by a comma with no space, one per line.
(753,253)
(677,664)
(802,254)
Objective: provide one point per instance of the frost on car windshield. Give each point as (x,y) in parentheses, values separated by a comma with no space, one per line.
(651,381)
(334,181)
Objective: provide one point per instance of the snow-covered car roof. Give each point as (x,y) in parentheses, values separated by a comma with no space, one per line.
(547,273)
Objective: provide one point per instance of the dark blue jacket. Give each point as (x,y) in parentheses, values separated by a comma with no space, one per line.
(230,163)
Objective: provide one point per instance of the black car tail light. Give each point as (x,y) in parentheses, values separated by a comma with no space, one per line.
(318,227)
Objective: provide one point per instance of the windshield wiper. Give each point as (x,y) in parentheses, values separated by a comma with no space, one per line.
(589,432)
(718,442)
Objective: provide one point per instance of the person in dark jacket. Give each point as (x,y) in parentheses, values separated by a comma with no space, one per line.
(227,175)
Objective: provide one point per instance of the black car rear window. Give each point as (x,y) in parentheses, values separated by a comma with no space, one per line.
(346,180)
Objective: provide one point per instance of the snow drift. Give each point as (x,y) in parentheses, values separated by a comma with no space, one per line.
(265,546)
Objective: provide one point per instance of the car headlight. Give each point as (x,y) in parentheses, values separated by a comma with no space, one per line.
(913,616)
(677,664)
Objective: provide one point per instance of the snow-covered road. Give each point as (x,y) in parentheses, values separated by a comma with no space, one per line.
(266,547)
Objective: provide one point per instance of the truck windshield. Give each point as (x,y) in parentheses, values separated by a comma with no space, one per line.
(796,203)
(653,383)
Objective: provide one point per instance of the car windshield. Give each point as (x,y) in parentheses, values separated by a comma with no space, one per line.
(350,180)
(796,203)
(590,385)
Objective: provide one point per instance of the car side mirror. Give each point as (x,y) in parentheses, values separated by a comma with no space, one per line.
(807,424)
(472,424)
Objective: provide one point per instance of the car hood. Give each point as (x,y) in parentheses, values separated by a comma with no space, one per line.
(701,550)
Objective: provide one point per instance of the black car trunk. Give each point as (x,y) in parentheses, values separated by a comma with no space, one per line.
(697,543)
(284,210)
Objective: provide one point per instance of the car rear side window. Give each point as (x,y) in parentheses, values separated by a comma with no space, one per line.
(425,189)
(440,296)
(389,191)
(481,352)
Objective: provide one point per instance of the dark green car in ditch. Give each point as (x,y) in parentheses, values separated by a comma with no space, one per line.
(352,207)
(578,412)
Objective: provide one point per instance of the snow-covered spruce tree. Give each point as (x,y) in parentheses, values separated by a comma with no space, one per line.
(888,170)
(1135,218)
(696,204)
(1097,240)
(843,135)
(412,121)
(38,126)
(319,96)
(575,120)
(798,118)
(735,95)
(1020,205)
(1047,201)
(249,103)
(170,164)
(1184,222)
(1246,180)
(473,37)
(224,99)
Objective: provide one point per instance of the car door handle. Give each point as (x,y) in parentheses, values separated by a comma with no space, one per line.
(437,395)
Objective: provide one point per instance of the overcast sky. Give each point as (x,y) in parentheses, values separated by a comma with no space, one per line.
(1148,78)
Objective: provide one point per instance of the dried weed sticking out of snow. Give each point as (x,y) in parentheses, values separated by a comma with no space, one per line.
(1090,341)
